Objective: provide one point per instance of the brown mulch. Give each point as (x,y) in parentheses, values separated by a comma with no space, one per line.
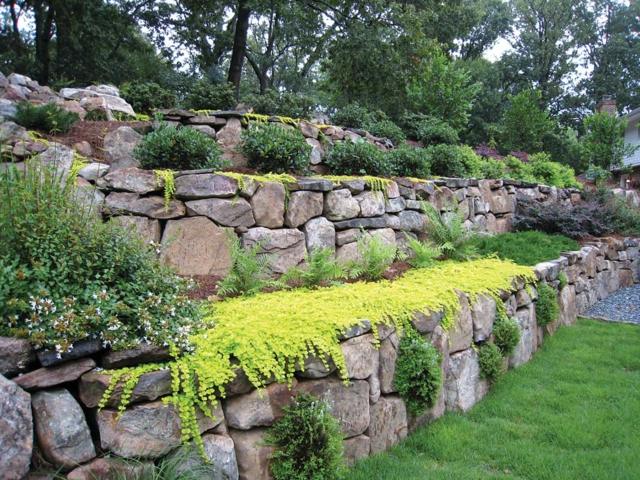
(206,286)
(94,133)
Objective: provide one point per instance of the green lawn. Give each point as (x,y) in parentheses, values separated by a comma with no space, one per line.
(573,412)
(525,248)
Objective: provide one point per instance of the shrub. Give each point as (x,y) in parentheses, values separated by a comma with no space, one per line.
(604,143)
(492,168)
(307,441)
(205,95)
(407,161)
(355,116)
(551,173)
(517,169)
(448,233)
(563,281)
(418,377)
(249,271)
(386,129)
(429,130)
(146,97)
(506,334)
(454,161)
(525,248)
(547,308)
(271,147)
(423,254)
(321,269)
(67,276)
(375,258)
(490,360)
(178,148)
(49,118)
(598,175)
(358,158)
(285,104)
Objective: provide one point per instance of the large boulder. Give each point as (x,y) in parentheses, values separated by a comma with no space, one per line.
(268,205)
(229,138)
(155,206)
(51,376)
(259,408)
(349,404)
(340,205)
(194,187)
(61,429)
(230,212)
(220,452)
(119,145)
(356,448)
(15,355)
(483,314)
(150,386)
(252,454)
(196,246)
(320,233)
(387,365)
(131,179)
(372,203)
(461,334)
(463,386)
(388,423)
(361,356)
(285,247)
(303,206)
(526,318)
(147,229)
(109,468)
(16,430)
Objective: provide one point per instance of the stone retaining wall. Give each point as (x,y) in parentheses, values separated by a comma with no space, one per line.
(290,220)
(49,419)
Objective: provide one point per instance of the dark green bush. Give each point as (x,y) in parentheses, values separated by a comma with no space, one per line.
(271,147)
(506,334)
(490,360)
(205,95)
(178,148)
(146,97)
(307,441)
(386,129)
(67,276)
(453,161)
(492,168)
(429,130)
(285,104)
(354,116)
(418,376)
(547,308)
(358,158)
(49,118)
(406,161)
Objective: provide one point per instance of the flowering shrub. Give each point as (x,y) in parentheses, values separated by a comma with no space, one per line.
(65,276)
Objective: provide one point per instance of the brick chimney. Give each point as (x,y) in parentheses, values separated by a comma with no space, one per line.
(607,105)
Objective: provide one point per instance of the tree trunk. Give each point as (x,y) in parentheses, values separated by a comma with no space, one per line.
(43,23)
(239,45)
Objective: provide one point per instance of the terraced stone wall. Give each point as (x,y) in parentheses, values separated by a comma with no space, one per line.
(49,420)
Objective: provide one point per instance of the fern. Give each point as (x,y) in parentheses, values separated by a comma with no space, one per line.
(321,269)
(424,254)
(249,271)
(448,233)
(375,257)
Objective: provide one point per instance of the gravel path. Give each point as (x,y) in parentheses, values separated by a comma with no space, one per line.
(622,306)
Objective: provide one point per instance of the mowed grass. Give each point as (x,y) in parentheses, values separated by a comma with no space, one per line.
(573,412)
(525,248)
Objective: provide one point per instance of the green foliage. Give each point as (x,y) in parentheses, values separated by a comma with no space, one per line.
(492,168)
(547,308)
(355,115)
(375,257)
(249,270)
(386,129)
(506,334)
(145,97)
(271,147)
(518,170)
(408,161)
(49,118)
(205,95)
(418,376)
(525,124)
(183,464)
(307,441)
(447,233)
(563,281)
(442,89)
(490,360)
(423,254)
(525,248)
(603,142)
(357,158)
(429,130)
(598,175)
(286,104)
(454,161)
(551,173)
(321,269)
(67,276)
(178,148)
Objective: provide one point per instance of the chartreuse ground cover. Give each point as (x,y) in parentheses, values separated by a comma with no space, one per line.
(268,335)
(570,413)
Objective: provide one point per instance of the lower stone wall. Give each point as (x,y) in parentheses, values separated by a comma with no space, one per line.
(49,419)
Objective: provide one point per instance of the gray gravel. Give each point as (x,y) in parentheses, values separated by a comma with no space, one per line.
(621,306)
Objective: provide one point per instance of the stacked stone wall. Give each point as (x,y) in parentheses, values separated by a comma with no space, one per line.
(49,419)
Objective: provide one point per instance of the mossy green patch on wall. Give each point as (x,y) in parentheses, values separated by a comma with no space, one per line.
(270,335)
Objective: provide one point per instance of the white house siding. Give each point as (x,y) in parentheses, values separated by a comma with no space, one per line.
(632,136)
